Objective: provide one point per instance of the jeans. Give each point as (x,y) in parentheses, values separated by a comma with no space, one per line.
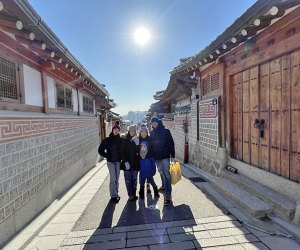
(149,180)
(131,182)
(163,167)
(114,174)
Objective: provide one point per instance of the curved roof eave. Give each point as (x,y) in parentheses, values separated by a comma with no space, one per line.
(257,9)
(31,16)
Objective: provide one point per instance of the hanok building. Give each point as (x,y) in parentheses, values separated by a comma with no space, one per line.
(245,107)
(52,113)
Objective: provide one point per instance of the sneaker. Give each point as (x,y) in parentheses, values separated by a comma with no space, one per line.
(131,198)
(167,202)
(162,189)
(114,199)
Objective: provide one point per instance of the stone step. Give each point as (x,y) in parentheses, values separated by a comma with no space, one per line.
(282,206)
(250,203)
(223,202)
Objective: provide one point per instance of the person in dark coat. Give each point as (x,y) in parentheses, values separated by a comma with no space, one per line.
(147,169)
(162,147)
(130,161)
(144,136)
(110,148)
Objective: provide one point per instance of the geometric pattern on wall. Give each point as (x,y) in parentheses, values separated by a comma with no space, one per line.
(208,124)
(14,128)
(207,109)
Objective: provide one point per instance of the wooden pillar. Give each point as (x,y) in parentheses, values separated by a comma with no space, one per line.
(78,101)
(45,91)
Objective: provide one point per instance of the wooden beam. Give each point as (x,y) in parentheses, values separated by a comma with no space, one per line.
(19,107)
(274,32)
(48,65)
(279,8)
(27,40)
(8,22)
(274,12)
(44,53)
(45,91)
(78,102)
(278,49)
(251,30)
(11,44)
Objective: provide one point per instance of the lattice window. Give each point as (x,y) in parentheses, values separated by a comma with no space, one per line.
(63,97)
(215,82)
(8,79)
(211,83)
(88,104)
(206,85)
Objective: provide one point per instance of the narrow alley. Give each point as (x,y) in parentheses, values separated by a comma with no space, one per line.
(90,221)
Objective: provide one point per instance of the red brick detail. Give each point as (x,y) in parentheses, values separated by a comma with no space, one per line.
(16,128)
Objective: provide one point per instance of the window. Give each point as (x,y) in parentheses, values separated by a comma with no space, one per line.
(63,97)
(214,80)
(211,83)
(88,104)
(206,85)
(8,79)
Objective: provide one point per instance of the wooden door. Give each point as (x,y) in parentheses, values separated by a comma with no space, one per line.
(268,92)
(295,116)
(264,107)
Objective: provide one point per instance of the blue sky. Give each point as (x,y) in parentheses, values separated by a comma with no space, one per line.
(99,33)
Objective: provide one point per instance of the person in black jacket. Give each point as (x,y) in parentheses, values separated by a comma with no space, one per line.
(162,146)
(110,148)
(130,161)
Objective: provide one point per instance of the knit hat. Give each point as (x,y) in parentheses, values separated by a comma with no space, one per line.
(132,127)
(144,128)
(117,125)
(154,119)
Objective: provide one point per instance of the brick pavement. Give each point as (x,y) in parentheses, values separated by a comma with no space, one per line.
(212,232)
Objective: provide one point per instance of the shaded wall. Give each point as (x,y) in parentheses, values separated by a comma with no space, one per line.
(41,157)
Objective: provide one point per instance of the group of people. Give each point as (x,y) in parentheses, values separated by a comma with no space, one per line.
(139,154)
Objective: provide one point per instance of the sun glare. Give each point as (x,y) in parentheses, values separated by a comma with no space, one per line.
(142,36)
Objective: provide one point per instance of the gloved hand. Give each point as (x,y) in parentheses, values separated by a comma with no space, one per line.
(127,165)
(136,140)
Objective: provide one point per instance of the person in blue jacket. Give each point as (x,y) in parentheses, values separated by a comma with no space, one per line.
(163,149)
(147,169)
(144,136)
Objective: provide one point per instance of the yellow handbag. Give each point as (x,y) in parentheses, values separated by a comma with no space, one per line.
(175,172)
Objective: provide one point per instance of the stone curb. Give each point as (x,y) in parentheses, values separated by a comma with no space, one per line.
(25,236)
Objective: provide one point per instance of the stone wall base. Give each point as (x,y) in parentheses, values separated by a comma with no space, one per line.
(25,214)
(207,160)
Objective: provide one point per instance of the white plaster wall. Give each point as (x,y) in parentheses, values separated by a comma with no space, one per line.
(33,86)
(80,101)
(75,100)
(51,92)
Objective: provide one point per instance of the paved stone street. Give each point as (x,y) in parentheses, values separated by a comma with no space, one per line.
(193,221)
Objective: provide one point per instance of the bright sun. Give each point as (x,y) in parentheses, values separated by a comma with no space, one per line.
(142,36)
